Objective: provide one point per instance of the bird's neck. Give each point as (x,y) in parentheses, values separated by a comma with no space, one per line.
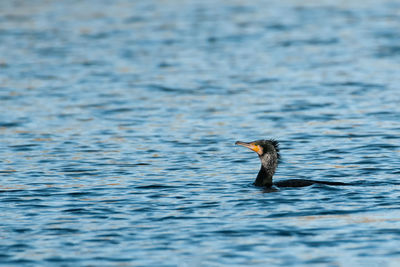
(264,177)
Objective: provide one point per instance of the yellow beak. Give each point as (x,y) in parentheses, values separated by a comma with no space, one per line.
(252,146)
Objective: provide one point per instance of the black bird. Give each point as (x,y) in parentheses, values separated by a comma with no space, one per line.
(268,151)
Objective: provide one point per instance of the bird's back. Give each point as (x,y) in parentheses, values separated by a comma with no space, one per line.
(304,182)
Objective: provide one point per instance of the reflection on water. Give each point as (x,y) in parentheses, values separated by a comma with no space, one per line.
(118,123)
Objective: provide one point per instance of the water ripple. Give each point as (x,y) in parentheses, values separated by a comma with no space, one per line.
(118,125)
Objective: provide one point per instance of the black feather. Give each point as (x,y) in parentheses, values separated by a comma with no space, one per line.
(275,143)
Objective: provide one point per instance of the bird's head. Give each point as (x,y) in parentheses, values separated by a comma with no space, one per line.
(262,147)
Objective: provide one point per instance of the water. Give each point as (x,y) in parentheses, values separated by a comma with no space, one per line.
(118,122)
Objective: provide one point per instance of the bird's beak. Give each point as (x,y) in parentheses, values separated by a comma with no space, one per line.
(250,145)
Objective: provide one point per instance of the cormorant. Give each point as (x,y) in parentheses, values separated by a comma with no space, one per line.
(268,151)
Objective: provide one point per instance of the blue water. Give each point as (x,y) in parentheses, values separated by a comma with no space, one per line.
(118,121)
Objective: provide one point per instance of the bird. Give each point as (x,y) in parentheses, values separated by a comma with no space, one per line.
(269,154)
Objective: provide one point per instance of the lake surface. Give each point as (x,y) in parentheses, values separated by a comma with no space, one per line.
(118,121)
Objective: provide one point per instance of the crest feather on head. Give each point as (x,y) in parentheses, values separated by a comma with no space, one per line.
(275,143)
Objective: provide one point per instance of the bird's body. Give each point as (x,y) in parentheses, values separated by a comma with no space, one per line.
(268,152)
(304,182)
